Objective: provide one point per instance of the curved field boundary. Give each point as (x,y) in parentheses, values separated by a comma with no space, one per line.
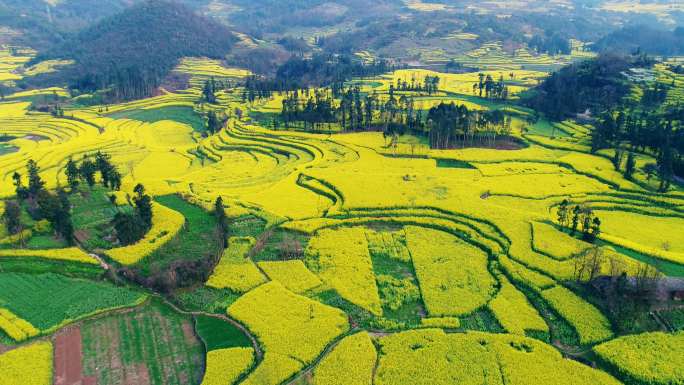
(459,230)
(484,228)
(317,187)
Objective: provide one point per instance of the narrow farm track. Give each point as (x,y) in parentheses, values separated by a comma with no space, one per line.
(100,260)
(308,370)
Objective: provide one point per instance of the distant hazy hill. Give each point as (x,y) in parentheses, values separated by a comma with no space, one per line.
(41,25)
(131,52)
(647,39)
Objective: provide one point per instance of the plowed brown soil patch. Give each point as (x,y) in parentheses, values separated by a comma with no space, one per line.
(68,365)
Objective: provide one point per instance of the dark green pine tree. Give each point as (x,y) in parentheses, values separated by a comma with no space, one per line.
(575,218)
(562,213)
(222,219)
(630,166)
(73,174)
(87,170)
(595,230)
(35,184)
(12,217)
(143,205)
(209,91)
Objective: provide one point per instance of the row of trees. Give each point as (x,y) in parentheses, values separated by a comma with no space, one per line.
(553,44)
(446,125)
(450,125)
(321,70)
(488,88)
(430,85)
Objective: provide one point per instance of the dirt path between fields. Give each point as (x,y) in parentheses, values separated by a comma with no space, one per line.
(100,260)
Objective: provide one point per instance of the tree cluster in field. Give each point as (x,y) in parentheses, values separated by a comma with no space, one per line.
(214,121)
(348,108)
(492,89)
(650,125)
(222,220)
(445,125)
(87,170)
(627,297)
(184,273)
(576,217)
(641,130)
(40,204)
(131,227)
(211,87)
(430,85)
(450,125)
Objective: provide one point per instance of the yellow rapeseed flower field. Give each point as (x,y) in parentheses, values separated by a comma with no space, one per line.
(341,258)
(235,270)
(27,365)
(591,325)
(292,274)
(292,329)
(473,224)
(72,254)
(514,312)
(351,362)
(434,357)
(650,358)
(225,366)
(449,268)
(15,327)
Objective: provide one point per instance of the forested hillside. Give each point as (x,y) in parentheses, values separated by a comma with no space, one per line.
(130,53)
(592,84)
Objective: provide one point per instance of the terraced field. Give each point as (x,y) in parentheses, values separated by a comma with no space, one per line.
(346,258)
